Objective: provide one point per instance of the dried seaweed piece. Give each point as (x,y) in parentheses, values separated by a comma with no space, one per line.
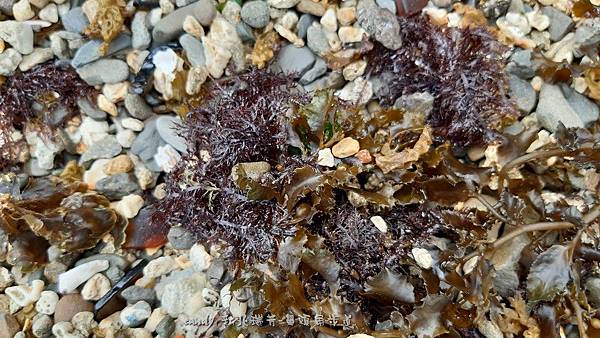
(549,274)
(456,66)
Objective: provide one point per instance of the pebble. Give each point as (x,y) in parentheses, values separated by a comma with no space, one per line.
(156,317)
(294,60)
(379,223)
(166,128)
(354,70)
(52,270)
(9,61)
(107,147)
(119,164)
(104,71)
(19,35)
(115,187)
(282,3)
(125,138)
(109,326)
(46,304)
(140,35)
(95,287)
(560,23)
(231,12)
(422,257)
(237,308)
(521,64)
(133,124)
(41,326)
(9,326)
(181,238)
(390,5)
(331,80)
(147,142)
(586,109)
(24,295)
(137,107)
(49,13)
(22,10)
(90,51)
(311,7)
(196,77)
(106,105)
(170,26)
(200,258)
(134,294)
(351,34)
(160,266)
(194,50)
(522,93)
(304,22)
(90,110)
(359,91)
(317,40)
(166,327)
(70,305)
(220,45)
(65,329)
(289,35)
(329,20)
(345,148)
(75,20)
(136,314)
(538,20)
(177,295)
(325,158)
(255,13)
(317,70)
(6,278)
(69,281)
(129,206)
(553,107)
(346,15)
(592,285)
(84,322)
(193,27)
(381,24)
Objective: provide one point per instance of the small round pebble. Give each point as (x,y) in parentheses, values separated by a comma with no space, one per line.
(95,287)
(42,326)
(47,302)
(69,305)
(256,13)
(136,314)
(199,257)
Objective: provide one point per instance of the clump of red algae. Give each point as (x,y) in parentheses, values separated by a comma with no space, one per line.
(462,68)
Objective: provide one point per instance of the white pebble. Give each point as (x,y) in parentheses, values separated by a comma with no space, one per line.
(136,314)
(6,278)
(49,13)
(24,295)
(379,223)
(329,20)
(129,206)
(22,10)
(160,266)
(166,157)
(326,158)
(210,296)
(84,322)
(95,287)
(47,302)
(422,257)
(69,280)
(200,258)
(125,138)
(133,124)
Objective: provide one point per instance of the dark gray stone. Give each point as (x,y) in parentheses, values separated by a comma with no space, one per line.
(560,23)
(316,71)
(117,186)
(303,23)
(588,33)
(104,71)
(181,238)
(107,147)
(256,13)
(89,109)
(332,80)
(245,32)
(137,107)
(134,294)
(167,129)
(293,60)
(75,20)
(522,93)
(521,64)
(416,102)
(194,50)
(170,26)
(147,141)
(90,51)
(587,110)
(316,39)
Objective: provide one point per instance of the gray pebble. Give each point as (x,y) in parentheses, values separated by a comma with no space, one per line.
(137,107)
(256,13)
(166,327)
(303,23)
(588,32)
(194,50)
(560,23)
(521,64)
(294,60)
(104,71)
(90,51)
(107,147)
(587,110)
(75,20)
(18,35)
(181,238)
(42,326)
(317,70)
(6,7)
(522,93)
(167,129)
(316,39)
(420,102)
(170,26)
(332,80)
(147,141)
(89,109)
(553,107)
(113,260)
(117,186)
(9,61)
(134,294)
(141,37)
(390,5)
(114,274)
(381,24)
(59,46)
(245,32)
(592,287)
(32,168)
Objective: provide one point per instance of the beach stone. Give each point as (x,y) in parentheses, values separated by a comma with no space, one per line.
(129,206)
(69,281)
(193,50)
(9,326)
(521,64)
(84,322)
(49,13)
(47,302)
(134,294)
(42,326)
(136,314)
(181,238)
(115,187)
(133,124)
(90,51)
(193,27)
(522,93)
(125,138)
(119,164)
(586,109)
(303,23)
(311,7)
(178,294)
(171,26)
(6,278)
(95,287)
(22,10)
(75,20)
(19,35)
(345,148)
(292,60)
(70,305)
(89,109)
(160,266)
(200,258)
(592,286)
(147,141)
(255,13)
(137,107)
(165,125)
(282,4)
(104,71)
(381,24)
(553,107)
(107,147)
(390,5)
(560,23)
(9,61)
(39,55)
(318,69)
(24,295)
(331,80)
(220,45)
(316,39)
(166,327)
(140,34)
